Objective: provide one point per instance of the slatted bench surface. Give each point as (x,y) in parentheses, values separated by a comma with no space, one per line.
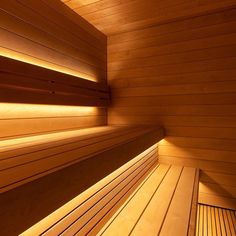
(164,204)
(93,208)
(39,174)
(28,158)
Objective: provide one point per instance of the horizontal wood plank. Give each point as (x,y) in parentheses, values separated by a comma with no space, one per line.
(72,177)
(107,16)
(180,74)
(146,212)
(48,55)
(47,91)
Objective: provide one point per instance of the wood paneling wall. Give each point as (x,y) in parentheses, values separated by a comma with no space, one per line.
(182,75)
(49,34)
(112,16)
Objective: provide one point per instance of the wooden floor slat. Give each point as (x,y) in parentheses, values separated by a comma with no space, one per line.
(215,221)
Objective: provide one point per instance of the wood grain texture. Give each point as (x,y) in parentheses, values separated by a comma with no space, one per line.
(25,83)
(44,31)
(192,228)
(214,221)
(85,211)
(113,17)
(53,37)
(25,162)
(182,75)
(62,166)
(145,212)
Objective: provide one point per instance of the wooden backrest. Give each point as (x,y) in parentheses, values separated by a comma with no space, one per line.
(35,100)
(26,83)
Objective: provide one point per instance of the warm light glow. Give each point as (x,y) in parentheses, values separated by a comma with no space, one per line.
(24,111)
(38,62)
(44,224)
(8,144)
(163,142)
(20,110)
(17,111)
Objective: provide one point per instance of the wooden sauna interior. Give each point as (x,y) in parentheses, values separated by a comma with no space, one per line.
(118,117)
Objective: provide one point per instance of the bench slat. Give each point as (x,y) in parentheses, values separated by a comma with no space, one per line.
(152,218)
(129,214)
(50,175)
(193,217)
(124,192)
(25,167)
(177,218)
(62,217)
(89,205)
(165,204)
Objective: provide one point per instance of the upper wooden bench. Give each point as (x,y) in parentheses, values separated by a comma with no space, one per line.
(28,158)
(39,174)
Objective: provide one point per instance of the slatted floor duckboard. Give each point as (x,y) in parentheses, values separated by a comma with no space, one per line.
(215,221)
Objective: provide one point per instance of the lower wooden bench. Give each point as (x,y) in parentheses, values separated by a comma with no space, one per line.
(39,174)
(163,203)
